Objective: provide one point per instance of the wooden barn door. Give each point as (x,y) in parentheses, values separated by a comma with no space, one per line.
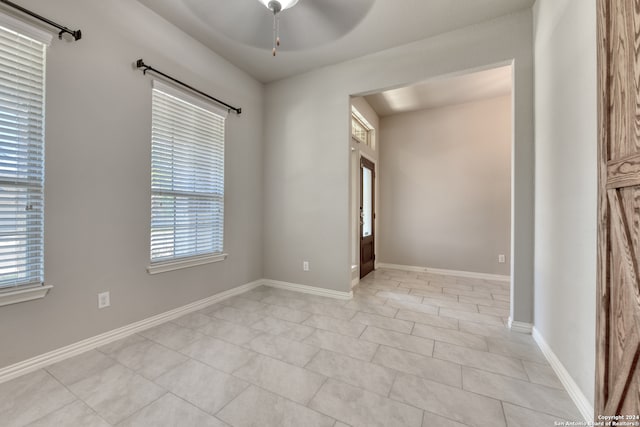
(618,322)
(367,216)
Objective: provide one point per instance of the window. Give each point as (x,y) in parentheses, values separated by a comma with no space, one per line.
(361,130)
(187,180)
(22,84)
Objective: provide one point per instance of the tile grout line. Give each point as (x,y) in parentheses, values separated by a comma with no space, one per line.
(537,411)
(116,362)
(230,401)
(154,401)
(77,399)
(504,413)
(511,378)
(250,384)
(306,405)
(393,383)
(462,365)
(312,358)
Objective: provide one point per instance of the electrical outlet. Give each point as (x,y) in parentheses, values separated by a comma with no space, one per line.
(104,299)
(501,259)
(305,265)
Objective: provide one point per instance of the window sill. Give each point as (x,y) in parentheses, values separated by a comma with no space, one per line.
(163,267)
(15,296)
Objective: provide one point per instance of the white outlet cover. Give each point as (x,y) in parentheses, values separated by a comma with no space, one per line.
(104,299)
(305,265)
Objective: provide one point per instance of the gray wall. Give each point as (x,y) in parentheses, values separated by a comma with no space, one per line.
(445,198)
(98,119)
(306,184)
(566,183)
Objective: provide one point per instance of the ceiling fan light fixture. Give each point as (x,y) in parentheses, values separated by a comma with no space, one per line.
(277,6)
(284,4)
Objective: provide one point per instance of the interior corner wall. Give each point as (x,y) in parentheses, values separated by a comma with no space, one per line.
(566,183)
(307,153)
(98,177)
(445,198)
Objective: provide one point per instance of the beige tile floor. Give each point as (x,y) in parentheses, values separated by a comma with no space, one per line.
(410,349)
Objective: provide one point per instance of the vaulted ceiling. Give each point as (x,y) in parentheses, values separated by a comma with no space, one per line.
(355,27)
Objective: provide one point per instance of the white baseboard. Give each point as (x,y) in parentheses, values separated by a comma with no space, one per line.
(520,327)
(584,406)
(33,364)
(458,273)
(355,276)
(306,289)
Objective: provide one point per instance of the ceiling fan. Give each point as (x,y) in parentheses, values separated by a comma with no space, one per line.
(277,6)
(300,24)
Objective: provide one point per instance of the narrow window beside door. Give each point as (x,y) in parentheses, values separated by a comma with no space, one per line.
(367,202)
(187,180)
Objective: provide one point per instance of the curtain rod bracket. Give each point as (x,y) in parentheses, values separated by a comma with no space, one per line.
(77,34)
(141,65)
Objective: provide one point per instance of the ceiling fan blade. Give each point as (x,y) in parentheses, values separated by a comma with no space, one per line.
(308,24)
(341,15)
(312,23)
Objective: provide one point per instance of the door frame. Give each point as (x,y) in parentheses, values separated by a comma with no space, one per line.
(359,154)
(602,232)
(521,229)
(365,161)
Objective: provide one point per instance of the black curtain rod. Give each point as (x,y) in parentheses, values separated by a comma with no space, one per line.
(140,64)
(77,34)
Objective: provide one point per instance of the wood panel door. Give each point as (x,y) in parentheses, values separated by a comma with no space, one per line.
(618,301)
(367,216)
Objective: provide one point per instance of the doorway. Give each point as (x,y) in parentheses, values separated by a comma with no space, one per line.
(367,216)
(423,131)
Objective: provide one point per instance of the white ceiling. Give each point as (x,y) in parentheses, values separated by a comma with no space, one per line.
(387,23)
(443,91)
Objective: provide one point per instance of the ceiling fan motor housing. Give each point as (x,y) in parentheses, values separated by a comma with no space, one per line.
(274,6)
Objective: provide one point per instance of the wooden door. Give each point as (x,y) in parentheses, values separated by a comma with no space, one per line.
(367,217)
(618,302)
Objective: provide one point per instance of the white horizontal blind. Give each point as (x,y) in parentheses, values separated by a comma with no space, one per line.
(22,80)
(187,179)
